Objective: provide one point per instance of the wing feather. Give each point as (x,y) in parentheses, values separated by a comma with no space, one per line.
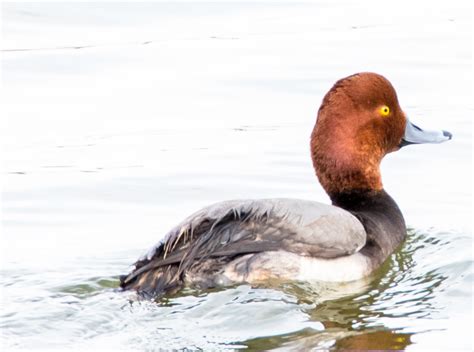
(230,229)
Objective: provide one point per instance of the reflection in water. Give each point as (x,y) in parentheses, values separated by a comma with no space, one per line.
(368,319)
(380,340)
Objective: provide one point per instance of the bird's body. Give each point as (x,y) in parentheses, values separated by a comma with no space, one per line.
(290,239)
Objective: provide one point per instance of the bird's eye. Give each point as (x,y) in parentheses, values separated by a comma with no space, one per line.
(384,111)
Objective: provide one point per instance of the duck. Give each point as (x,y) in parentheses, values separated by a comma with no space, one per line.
(250,241)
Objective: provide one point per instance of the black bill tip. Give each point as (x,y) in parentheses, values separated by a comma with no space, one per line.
(448,134)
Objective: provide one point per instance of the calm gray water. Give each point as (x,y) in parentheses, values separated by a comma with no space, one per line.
(120,119)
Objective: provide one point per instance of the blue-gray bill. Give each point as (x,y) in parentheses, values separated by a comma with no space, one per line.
(416,135)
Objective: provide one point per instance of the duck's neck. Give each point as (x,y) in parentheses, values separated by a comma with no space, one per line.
(363,200)
(380,216)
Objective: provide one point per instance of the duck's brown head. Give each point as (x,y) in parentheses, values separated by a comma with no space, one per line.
(359,122)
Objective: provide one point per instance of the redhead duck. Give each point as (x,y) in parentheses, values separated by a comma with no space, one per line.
(237,241)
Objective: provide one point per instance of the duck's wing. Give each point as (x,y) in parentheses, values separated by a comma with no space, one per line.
(230,229)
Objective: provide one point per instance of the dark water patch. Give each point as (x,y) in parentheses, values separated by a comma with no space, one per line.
(92,286)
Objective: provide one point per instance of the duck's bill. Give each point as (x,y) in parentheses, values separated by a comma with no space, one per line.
(416,135)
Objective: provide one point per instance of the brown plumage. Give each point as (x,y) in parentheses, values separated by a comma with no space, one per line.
(350,137)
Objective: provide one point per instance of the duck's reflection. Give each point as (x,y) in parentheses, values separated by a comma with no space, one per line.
(369,314)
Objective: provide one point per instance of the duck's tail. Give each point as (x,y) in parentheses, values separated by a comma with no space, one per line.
(153,282)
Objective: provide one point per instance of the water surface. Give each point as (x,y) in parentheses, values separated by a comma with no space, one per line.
(120,119)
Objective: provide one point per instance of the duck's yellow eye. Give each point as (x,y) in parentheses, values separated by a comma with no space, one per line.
(384,110)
